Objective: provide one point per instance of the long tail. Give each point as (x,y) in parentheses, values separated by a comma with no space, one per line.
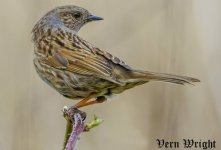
(152,76)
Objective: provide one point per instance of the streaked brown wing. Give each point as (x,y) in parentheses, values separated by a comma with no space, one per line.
(102,53)
(82,62)
(112,58)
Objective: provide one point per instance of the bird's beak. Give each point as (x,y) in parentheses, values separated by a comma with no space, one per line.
(93,18)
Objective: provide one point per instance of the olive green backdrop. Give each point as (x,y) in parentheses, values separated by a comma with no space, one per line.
(171,36)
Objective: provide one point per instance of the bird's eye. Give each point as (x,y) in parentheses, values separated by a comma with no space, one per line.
(77,15)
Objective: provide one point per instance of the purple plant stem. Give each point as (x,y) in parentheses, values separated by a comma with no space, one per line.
(78,128)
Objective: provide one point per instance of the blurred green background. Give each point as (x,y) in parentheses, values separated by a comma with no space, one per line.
(171,36)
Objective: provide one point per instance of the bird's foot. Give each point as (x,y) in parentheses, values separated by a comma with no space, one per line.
(70,112)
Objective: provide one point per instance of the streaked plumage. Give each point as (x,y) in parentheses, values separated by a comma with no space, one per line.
(76,68)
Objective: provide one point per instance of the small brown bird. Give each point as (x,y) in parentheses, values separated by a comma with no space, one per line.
(76,68)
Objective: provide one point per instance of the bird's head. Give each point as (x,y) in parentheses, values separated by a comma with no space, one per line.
(72,17)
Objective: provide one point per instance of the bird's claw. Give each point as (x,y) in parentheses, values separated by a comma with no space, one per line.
(69,113)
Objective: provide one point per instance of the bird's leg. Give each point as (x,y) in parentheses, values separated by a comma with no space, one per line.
(98,100)
(84,100)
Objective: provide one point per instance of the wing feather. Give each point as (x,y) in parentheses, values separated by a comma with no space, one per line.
(80,62)
(84,59)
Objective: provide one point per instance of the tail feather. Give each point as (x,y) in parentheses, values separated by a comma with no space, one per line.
(152,76)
